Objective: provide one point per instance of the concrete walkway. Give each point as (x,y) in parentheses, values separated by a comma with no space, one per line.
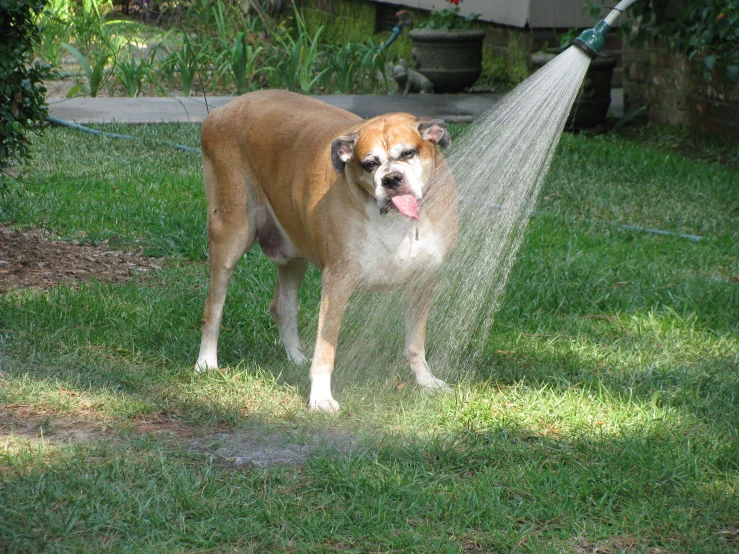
(450,107)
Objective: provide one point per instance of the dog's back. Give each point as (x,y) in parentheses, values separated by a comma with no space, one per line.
(259,140)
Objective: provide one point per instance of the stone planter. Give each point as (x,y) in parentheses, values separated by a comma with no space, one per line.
(451,60)
(591,107)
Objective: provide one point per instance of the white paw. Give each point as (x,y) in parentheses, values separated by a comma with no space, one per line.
(201,366)
(328,405)
(432,384)
(297,357)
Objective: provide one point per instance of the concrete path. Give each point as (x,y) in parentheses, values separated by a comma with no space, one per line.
(450,107)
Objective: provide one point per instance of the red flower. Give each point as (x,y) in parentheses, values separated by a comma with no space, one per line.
(455,2)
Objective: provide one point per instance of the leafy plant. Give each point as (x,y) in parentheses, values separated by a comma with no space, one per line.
(86,20)
(240,63)
(449,18)
(94,70)
(55,29)
(297,66)
(343,68)
(131,72)
(186,62)
(22,101)
(708,31)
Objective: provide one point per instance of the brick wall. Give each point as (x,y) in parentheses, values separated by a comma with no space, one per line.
(676,91)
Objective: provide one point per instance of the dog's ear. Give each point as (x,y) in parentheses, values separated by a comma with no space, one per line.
(342,150)
(434,130)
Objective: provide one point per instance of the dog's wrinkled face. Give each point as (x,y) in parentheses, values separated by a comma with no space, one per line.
(393,158)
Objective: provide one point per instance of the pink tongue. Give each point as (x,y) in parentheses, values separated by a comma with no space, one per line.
(406,204)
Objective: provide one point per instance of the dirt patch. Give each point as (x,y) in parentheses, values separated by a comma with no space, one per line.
(33,423)
(255,446)
(29,259)
(258,447)
(617,545)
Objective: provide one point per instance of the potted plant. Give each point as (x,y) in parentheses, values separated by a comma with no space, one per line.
(448,50)
(591,107)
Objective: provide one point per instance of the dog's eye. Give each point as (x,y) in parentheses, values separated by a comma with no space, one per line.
(408,154)
(369,165)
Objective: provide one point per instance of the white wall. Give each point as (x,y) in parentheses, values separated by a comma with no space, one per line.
(517,13)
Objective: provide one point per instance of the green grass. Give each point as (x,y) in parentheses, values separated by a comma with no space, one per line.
(602,415)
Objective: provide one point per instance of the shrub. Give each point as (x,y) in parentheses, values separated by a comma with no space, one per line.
(708,31)
(22,100)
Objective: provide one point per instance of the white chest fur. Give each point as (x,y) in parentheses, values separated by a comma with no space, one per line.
(397,249)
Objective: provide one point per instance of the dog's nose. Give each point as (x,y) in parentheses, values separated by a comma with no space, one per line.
(392,180)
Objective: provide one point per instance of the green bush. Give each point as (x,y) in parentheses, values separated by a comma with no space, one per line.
(708,31)
(22,100)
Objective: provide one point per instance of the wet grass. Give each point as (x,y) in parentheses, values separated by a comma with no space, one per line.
(602,416)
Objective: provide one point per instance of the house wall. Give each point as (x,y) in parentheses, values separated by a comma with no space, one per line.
(515,13)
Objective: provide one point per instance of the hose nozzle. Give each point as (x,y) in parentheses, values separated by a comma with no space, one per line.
(591,41)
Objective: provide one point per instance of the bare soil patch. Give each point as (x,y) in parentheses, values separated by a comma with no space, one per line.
(36,423)
(617,545)
(30,259)
(261,447)
(255,446)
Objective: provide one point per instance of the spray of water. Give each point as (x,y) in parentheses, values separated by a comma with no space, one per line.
(499,166)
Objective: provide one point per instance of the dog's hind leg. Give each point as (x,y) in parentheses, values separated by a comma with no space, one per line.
(417,305)
(284,306)
(230,234)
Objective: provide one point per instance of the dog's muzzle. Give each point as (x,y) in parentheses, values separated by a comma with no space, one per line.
(393,180)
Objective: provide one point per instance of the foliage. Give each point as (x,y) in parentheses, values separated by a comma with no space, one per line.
(355,67)
(449,18)
(131,71)
(708,31)
(239,62)
(93,69)
(296,64)
(505,71)
(350,21)
(22,95)
(220,46)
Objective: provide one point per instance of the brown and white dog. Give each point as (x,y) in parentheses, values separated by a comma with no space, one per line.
(372,204)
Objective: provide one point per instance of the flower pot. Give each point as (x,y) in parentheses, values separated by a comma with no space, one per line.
(451,60)
(594,98)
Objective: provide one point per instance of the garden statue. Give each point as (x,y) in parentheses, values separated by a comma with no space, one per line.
(409,80)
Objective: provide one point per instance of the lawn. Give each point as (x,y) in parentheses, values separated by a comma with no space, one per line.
(602,415)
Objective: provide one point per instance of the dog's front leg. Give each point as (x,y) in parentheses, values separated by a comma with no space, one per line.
(335,293)
(417,304)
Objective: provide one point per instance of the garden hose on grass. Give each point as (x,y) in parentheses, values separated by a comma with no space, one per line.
(63,123)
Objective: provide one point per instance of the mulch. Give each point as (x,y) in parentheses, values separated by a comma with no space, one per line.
(28,259)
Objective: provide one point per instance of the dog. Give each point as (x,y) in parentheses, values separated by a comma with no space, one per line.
(371,203)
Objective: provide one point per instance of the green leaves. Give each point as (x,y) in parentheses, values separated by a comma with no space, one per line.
(22,101)
(707,31)
(93,71)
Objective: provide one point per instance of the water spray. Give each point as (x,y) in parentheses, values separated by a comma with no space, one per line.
(591,41)
(499,164)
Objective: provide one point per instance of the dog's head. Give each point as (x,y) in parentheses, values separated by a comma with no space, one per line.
(393,157)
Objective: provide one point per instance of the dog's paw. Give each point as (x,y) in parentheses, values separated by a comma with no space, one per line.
(431,384)
(298,357)
(327,405)
(201,366)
